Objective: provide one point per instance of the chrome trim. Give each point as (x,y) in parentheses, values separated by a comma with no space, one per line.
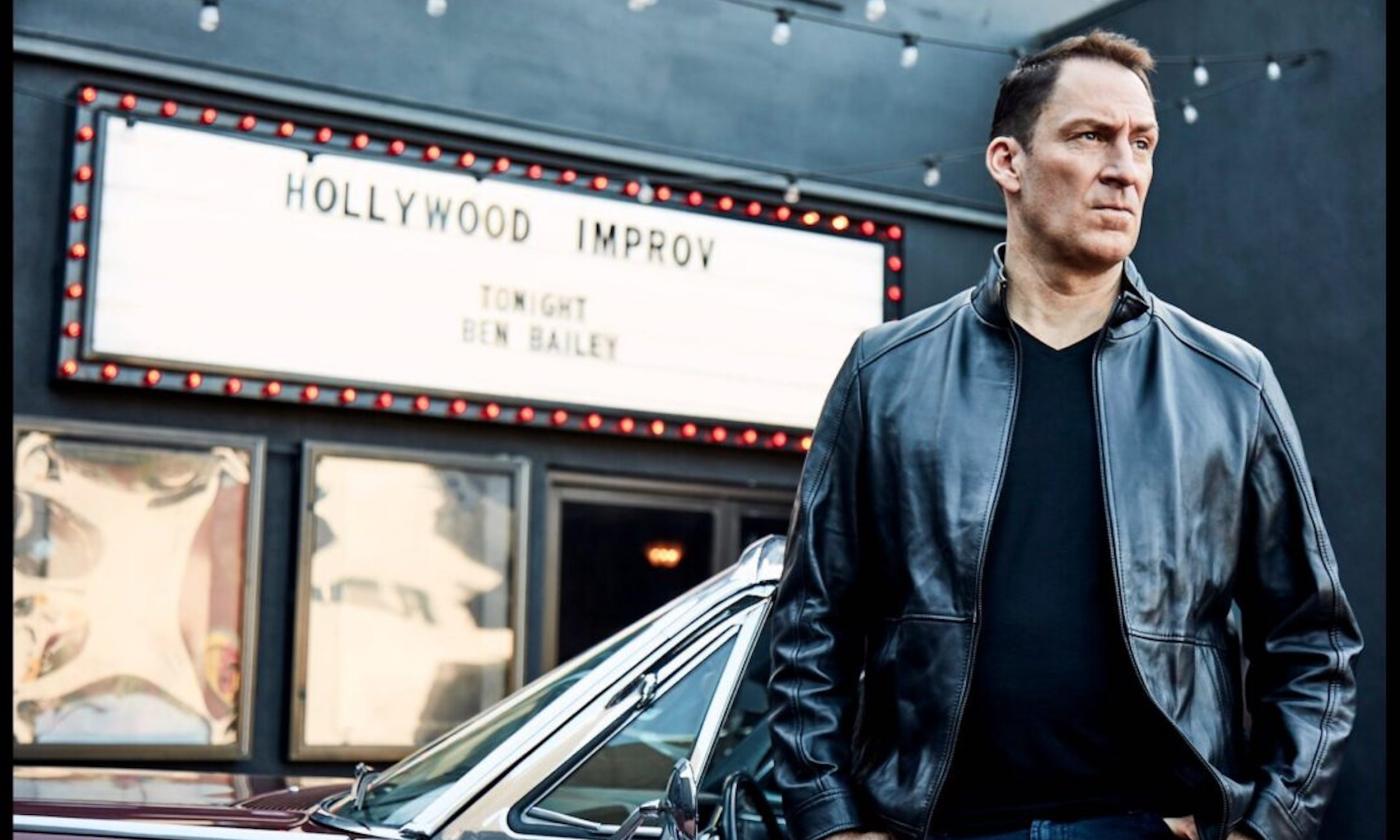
(505,792)
(154,830)
(715,594)
(751,624)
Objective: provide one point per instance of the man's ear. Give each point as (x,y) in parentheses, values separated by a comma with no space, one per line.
(1004,158)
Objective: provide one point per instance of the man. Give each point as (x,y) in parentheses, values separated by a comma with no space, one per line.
(1028,516)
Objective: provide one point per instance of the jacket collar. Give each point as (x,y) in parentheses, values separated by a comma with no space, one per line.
(1130,314)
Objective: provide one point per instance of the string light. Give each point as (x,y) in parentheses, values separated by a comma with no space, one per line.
(932,175)
(1189,112)
(792,194)
(782,30)
(1200,74)
(645,193)
(209,15)
(874,10)
(1273,70)
(909,56)
(437,8)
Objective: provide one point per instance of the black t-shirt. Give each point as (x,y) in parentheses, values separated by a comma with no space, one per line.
(1056,724)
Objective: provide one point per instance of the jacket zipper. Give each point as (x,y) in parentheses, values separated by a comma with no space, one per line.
(981,561)
(1118,592)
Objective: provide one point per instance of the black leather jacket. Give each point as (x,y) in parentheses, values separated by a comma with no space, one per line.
(1208,502)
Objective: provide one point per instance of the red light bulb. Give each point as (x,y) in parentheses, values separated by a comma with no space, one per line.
(754,209)
(725,203)
(272,388)
(568,176)
(894,293)
(286,129)
(168,108)
(247,123)
(110,371)
(127,102)
(324,134)
(80,213)
(347,396)
(88,95)
(491,411)
(718,434)
(663,193)
(384,400)
(626,424)
(534,172)
(78,251)
(783,213)
(501,165)
(84,173)
(74,291)
(68,368)
(85,134)
(233,386)
(73,329)
(466,159)
(750,436)
(360,141)
(432,153)
(895,232)
(208,115)
(458,407)
(525,414)
(658,428)
(695,198)
(193,379)
(152,377)
(631,189)
(688,430)
(779,439)
(421,403)
(600,182)
(867,228)
(895,263)
(559,417)
(310,393)
(594,421)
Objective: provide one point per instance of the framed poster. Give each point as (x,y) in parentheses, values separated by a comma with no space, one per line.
(490,288)
(410,597)
(135,590)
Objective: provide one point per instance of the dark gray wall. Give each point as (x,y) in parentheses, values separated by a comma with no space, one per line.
(1267,219)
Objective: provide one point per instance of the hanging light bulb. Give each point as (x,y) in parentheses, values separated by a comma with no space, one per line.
(782,30)
(437,8)
(1201,74)
(874,10)
(1189,112)
(932,175)
(792,195)
(646,193)
(909,56)
(1273,70)
(209,15)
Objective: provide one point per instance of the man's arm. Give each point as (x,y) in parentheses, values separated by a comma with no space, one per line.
(1299,633)
(818,639)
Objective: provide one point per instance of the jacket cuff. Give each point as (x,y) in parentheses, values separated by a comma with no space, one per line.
(826,813)
(1268,817)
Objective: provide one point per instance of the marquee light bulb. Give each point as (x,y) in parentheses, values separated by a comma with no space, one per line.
(1200,74)
(782,30)
(437,8)
(875,9)
(1273,70)
(793,194)
(909,56)
(209,15)
(1189,112)
(645,193)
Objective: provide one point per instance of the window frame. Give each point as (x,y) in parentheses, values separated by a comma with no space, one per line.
(515,468)
(156,436)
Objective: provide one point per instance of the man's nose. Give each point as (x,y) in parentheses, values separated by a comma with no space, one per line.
(1121,169)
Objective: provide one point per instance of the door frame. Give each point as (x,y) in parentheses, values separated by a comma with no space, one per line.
(726,502)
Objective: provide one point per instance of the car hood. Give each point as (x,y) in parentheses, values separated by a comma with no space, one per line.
(226,799)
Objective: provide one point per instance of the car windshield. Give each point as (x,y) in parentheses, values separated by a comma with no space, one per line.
(406,788)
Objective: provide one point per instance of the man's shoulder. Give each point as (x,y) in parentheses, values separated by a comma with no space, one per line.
(1223,348)
(878,341)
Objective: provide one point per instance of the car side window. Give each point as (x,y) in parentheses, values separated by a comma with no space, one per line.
(744,743)
(633,765)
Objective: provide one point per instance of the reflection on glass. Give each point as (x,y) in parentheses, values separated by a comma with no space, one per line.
(634,765)
(128,591)
(408,628)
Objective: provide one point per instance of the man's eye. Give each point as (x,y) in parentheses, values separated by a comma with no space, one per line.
(1089,135)
(1145,145)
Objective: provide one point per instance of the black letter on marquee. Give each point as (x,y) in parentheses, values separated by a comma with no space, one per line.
(372,217)
(521,228)
(324,182)
(676,249)
(706,249)
(462,222)
(346,208)
(437,211)
(604,243)
(495,212)
(404,205)
(299,190)
(656,244)
(632,240)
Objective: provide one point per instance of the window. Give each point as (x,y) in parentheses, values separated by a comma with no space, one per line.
(744,743)
(634,764)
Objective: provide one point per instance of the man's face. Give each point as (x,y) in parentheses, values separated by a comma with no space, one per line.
(1084,180)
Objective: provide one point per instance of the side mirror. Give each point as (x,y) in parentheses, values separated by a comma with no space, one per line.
(679,808)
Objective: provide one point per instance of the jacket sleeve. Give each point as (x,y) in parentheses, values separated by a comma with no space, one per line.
(1299,633)
(818,639)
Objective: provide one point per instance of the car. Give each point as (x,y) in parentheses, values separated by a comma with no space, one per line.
(661,729)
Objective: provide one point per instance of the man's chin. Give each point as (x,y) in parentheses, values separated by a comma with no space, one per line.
(1105,249)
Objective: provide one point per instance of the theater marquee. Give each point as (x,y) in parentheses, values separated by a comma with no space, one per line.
(235,254)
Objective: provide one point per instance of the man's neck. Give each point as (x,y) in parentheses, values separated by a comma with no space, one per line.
(1058,304)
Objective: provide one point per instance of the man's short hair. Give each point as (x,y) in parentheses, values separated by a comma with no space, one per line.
(1026,88)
